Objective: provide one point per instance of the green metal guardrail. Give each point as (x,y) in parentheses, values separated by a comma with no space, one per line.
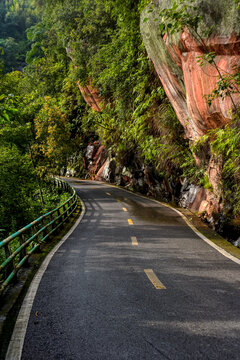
(19,246)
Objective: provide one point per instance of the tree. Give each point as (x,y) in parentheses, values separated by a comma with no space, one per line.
(53,138)
(16,16)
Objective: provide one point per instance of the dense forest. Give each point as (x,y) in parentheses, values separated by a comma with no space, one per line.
(52,50)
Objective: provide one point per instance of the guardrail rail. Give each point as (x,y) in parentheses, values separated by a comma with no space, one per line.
(17,248)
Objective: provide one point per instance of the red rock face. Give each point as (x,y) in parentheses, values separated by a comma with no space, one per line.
(99,176)
(176,93)
(200,81)
(96,160)
(186,82)
(91,96)
(187,85)
(89,93)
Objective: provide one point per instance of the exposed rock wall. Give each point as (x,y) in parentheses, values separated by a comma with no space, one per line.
(144,179)
(187,83)
(91,96)
(95,159)
(89,93)
(176,61)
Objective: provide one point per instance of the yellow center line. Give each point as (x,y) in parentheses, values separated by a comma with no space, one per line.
(130,221)
(124,209)
(134,241)
(154,279)
(107,193)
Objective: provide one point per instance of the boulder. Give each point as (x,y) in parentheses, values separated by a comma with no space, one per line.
(95,157)
(89,152)
(107,171)
(126,173)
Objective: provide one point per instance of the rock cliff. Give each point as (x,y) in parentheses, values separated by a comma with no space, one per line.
(175,58)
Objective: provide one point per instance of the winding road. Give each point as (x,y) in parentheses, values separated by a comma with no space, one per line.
(134,282)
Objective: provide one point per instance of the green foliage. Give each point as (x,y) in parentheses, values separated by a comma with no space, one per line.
(22,99)
(35,34)
(53,139)
(17,187)
(20,192)
(7,107)
(227,85)
(142,4)
(237,2)
(206,58)
(224,143)
(190,169)
(182,14)
(15,17)
(103,40)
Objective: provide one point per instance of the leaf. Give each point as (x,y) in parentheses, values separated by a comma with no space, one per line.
(161,27)
(5,116)
(2,97)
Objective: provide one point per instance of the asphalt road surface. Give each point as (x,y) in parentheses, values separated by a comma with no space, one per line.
(133,281)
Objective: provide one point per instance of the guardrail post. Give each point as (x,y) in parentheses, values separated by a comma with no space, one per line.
(44,231)
(52,219)
(63,215)
(36,240)
(59,218)
(69,206)
(67,212)
(10,267)
(23,252)
(72,203)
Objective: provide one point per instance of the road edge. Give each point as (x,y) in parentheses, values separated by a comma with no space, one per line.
(16,343)
(195,230)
